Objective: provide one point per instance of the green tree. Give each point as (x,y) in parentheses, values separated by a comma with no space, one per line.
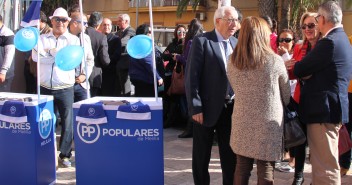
(49,6)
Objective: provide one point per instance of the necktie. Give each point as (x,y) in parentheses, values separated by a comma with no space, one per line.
(227,52)
(229,92)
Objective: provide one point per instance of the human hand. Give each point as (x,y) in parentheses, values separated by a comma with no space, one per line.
(2,78)
(160,82)
(289,64)
(80,79)
(174,56)
(281,50)
(166,52)
(198,118)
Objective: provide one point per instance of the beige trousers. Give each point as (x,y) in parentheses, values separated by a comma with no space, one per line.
(324,154)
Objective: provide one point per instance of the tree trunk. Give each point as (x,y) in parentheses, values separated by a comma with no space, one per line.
(285,14)
(267,8)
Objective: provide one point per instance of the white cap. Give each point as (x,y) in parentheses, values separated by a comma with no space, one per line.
(60,12)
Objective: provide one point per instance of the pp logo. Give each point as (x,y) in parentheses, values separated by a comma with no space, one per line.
(45,124)
(88,133)
(28,34)
(134,107)
(91,111)
(12,109)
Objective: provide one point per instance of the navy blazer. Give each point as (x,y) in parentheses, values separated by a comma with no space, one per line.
(324,96)
(205,80)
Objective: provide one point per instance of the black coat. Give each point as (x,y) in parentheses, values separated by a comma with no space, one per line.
(101,56)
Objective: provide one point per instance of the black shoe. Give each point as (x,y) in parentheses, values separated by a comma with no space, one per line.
(186,134)
(298,181)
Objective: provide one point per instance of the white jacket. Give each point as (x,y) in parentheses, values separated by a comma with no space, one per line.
(89,59)
(7,52)
(52,77)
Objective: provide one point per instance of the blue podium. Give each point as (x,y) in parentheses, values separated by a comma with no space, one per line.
(119,151)
(27,152)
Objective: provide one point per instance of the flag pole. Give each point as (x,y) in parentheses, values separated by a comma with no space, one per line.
(153,50)
(38,65)
(84,55)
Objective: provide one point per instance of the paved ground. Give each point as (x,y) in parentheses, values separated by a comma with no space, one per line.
(178,171)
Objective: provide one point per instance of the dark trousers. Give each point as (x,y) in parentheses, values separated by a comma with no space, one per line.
(63,100)
(109,81)
(345,159)
(143,89)
(80,93)
(244,167)
(123,83)
(299,153)
(202,145)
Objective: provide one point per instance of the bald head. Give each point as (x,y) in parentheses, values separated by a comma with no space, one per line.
(106,26)
(76,24)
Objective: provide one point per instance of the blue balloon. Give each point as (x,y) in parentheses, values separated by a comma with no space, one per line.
(69,57)
(26,38)
(139,46)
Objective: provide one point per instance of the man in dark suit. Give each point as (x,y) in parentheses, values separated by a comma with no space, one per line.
(125,32)
(326,71)
(209,96)
(109,73)
(100,51)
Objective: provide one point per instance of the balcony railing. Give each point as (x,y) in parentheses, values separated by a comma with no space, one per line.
(161,3)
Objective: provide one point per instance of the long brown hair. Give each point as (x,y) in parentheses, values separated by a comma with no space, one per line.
(253,44)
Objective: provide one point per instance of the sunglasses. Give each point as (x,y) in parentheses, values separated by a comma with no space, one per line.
(287,40)
(309,26)
(58,19)
(84,23)
(179,32)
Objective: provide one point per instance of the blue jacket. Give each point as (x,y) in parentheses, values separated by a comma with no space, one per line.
(142,69)
(324,97)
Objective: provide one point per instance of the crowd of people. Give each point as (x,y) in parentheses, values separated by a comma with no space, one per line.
(236,88)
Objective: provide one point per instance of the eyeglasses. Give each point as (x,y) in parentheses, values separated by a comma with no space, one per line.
(309,26)
(84,23)
(58,19)
(230,21)
(287,40)
(181,32)
(317,17)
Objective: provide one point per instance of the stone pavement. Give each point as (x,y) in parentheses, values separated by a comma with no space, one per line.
(178,161)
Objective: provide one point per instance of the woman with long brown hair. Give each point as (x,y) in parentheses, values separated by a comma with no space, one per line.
(261,85)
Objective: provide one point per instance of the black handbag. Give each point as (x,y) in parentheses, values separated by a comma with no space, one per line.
(293,132)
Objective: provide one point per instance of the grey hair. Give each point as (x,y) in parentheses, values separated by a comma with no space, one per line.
(125,17)
(220,12)
(331,10)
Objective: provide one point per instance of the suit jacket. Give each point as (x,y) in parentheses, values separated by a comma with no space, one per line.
(114,50)
(125,36)
(101,56)
(206,81)
(324,96)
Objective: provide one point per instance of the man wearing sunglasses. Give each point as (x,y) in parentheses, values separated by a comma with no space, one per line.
(76,28)
(7,54)
(57,82)
(323,106)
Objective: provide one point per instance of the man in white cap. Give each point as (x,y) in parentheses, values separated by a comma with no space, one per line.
(7,53)
(56,82)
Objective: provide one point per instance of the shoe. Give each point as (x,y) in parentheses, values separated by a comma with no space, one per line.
(298,181)
(65,162)
(185,134)
(286,168)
